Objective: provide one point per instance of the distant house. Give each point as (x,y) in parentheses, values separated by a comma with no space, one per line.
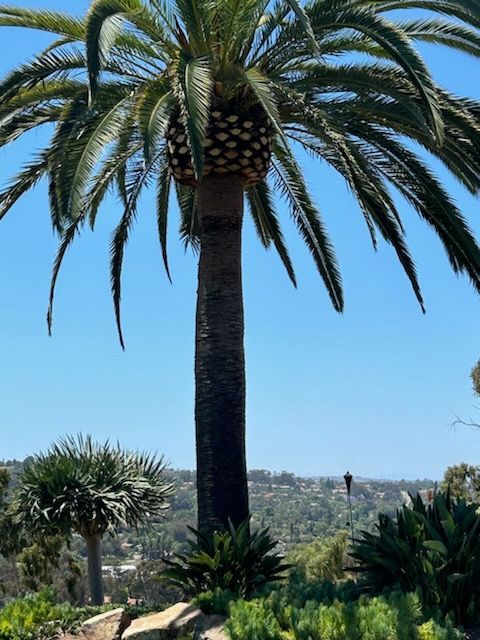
(115,571)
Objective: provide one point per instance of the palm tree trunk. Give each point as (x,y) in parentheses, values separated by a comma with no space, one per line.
(94,558)
(219,357)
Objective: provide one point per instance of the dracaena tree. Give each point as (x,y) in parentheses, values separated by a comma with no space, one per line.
(91,489)
(211,99)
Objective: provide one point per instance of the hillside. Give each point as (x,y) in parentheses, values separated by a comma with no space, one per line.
(296,510)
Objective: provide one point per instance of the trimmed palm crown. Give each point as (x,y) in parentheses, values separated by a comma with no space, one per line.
(142,91)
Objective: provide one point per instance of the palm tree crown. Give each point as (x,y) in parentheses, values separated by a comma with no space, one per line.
(137,83)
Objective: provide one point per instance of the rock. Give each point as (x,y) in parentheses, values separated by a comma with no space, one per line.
(106,626)
(211,628)
(171,623)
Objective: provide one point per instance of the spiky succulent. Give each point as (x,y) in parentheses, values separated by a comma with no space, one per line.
(339,78)
(90,488)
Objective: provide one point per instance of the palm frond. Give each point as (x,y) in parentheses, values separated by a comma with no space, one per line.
(290,184)
(163,193)
(196,16)
(53,65)
(442,32)
(67,237)
(24,181)
(397,45)
(155,109)
(139,176)
(304,21)
(108,129)
(43,20)
(193,88)
(267,224)
(186,198)
(260,86)
(104,22)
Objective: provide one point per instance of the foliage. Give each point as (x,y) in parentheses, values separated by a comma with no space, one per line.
(297,593)
(298,511)
(43,558)
(322,559)
(252,621)
(215,602)
(475,376)
(89,488)
(322,622)
(395,616)
(4,482)
(12,539)
(143,585)
(237,560)
(32,561)
(434,549)
(463,481)
(433,630)
(112,81)
(39,615)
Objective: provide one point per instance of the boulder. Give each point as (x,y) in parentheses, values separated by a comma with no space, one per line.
(106,626)
(171,623)
(211,628)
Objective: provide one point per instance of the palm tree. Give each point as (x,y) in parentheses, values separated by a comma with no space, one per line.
(210,99)
(91,489)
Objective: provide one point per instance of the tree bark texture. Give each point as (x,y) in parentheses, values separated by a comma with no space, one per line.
(219,357)
(94,558)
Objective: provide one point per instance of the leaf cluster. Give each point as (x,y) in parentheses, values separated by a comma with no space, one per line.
(434,549)
(237,561)
(90,488)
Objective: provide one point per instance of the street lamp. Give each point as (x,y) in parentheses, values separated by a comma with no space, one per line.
(348,482)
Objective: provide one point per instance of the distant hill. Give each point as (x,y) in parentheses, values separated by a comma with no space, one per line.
(296,510)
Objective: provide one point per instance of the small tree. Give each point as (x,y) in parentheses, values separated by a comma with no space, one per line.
(83,487)
(463,481)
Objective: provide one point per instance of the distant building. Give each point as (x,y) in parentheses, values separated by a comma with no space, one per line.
(114,571)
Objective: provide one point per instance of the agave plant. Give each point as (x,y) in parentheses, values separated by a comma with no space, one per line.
(236,561)
(91,489)
(432,548)
(211,99)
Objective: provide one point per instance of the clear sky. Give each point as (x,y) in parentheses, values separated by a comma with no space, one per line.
(374,391)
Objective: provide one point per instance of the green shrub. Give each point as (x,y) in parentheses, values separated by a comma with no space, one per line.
(253,620)
(434,549)
(393,616)
(215,602)
(296,591)
(432,630)
(236,560)
(35,616)
(321,560)
(324,622)
(39,616)
(383,618)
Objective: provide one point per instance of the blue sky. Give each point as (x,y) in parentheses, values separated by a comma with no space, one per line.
(374,390)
